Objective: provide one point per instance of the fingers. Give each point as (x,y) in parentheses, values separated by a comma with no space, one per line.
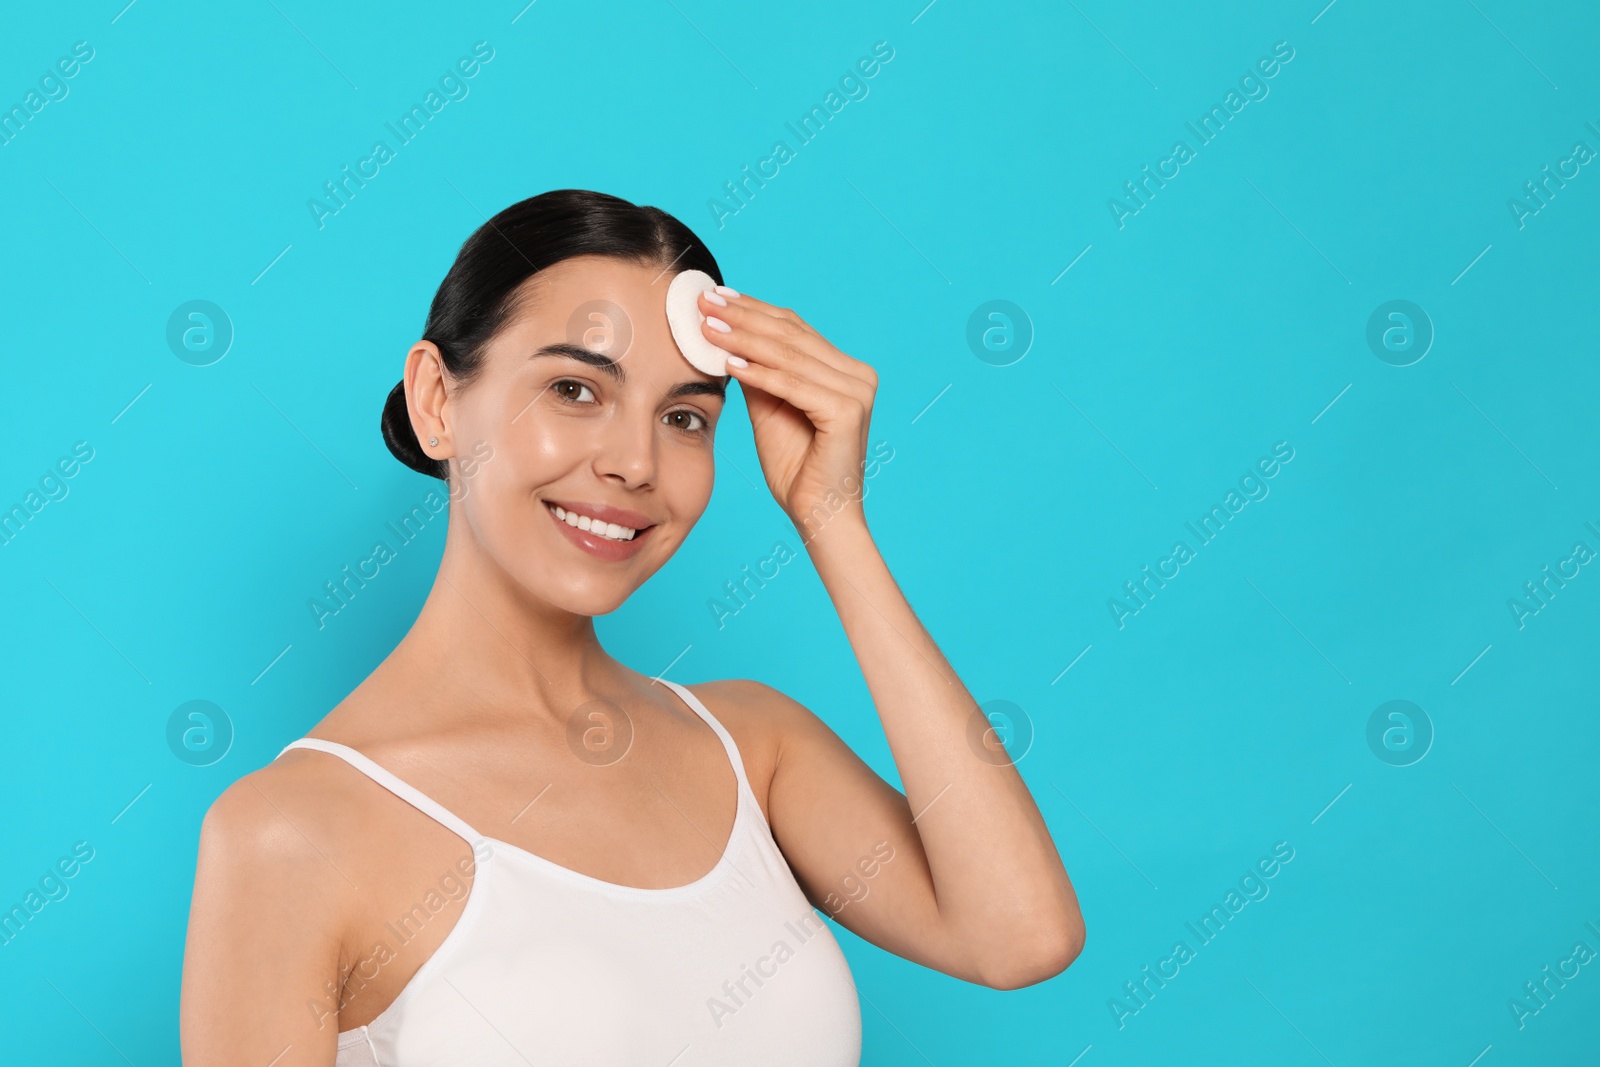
(825,407)
(746,300)
(781,353)
(760,318)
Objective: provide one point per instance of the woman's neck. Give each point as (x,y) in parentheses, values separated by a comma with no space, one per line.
(484,654)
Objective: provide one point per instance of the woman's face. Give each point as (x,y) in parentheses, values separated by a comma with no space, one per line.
(585,403)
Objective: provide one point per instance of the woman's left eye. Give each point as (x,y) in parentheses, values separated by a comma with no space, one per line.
(698,420)
(561,386)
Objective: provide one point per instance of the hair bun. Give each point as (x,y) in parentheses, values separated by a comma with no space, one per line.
(402,439)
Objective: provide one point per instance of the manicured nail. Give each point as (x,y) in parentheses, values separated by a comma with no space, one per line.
(738,361)
(713,298)
(717,324)
(725,291)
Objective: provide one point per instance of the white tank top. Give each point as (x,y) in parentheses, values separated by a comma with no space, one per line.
(549,966)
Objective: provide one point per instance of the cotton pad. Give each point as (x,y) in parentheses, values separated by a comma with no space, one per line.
(684,318)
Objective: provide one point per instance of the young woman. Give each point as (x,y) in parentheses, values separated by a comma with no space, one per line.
(506,847)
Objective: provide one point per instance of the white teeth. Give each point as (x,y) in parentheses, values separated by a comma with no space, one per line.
(610,531)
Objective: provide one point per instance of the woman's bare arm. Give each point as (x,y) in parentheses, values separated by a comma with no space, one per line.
(973,887)
(263,942)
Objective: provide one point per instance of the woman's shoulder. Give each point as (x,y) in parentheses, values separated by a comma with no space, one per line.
(762,719)
(755,705)
(280,827)
(743,705)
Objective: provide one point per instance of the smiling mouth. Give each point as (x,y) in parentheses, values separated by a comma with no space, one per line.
(610,531)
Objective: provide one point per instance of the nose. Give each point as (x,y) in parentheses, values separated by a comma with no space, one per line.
(626,449)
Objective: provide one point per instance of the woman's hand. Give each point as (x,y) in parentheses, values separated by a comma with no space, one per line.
(810,406)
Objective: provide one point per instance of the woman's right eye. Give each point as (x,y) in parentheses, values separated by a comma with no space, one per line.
(562,390)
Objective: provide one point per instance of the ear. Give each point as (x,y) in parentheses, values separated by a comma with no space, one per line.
(426,398)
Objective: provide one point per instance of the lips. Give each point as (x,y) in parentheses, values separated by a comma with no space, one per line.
(606,513)
(594,541)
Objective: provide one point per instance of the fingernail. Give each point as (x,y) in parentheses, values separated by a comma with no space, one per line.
(717,324)
(738,361)
(713,298)
(725,291)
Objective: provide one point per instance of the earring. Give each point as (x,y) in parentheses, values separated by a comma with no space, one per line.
(433,440)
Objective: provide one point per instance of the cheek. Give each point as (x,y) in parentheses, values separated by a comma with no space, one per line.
(687,478)
(498,494)
(539,447)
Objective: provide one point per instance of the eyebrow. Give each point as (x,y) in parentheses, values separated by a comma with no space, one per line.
(609,366)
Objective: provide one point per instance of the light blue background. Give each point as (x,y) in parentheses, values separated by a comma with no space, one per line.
(1227,315)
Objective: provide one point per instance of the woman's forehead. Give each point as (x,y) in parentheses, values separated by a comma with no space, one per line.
(616,307)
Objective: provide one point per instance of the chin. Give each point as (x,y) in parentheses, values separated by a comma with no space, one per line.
(578,597)
(596,605)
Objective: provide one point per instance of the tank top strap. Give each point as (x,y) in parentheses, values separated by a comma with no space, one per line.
(711,720)
(405,791)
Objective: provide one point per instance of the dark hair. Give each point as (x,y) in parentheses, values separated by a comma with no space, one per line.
(479,291)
